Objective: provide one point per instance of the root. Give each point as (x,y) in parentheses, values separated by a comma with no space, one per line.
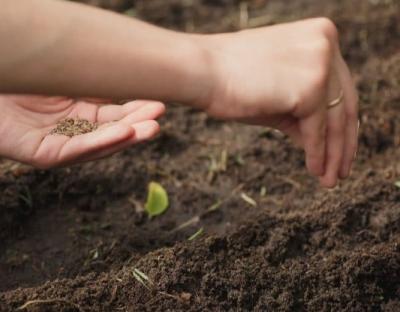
(49,301)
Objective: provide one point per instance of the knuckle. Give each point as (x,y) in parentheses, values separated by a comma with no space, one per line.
(328,28)
(321,56)
(297,103)
(324,51)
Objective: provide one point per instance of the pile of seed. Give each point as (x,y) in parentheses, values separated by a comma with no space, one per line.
(72,127)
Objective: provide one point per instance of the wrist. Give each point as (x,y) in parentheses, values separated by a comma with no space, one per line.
(202,74)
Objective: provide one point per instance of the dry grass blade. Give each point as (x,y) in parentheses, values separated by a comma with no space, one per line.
(263,191)
(30,303)
(140,277)
(186,224)
(248,199)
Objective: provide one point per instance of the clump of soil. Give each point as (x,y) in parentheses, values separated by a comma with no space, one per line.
(70,238)
(72,127)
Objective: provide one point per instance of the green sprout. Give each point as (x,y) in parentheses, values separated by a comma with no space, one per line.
(397,183)
(215,206)
(197,234)
(157,200)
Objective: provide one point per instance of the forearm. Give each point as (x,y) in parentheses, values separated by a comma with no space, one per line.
(56,47)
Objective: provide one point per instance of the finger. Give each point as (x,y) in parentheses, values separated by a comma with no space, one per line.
(150,111)
(313,136)
(352,124)
(334,145)
(56,150)
(144,131)
(109,113)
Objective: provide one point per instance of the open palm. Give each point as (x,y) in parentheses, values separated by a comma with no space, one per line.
(25,123)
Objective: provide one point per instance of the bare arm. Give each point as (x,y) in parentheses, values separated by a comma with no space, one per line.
(58,47)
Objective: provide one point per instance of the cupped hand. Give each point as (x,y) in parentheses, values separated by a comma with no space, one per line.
(25,123)
(285,76)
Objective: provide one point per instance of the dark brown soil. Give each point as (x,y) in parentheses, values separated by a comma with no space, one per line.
(70,238)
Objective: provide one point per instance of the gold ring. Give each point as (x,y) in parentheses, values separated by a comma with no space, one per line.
(337,101)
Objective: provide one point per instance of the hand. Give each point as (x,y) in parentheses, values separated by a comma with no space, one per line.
(25,123)
(284,77)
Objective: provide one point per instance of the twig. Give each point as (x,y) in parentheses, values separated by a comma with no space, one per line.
(186,224)
(292,182)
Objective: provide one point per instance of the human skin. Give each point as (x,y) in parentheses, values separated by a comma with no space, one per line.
(281,76)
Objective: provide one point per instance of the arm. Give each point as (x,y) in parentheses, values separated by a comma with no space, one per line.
(58,47)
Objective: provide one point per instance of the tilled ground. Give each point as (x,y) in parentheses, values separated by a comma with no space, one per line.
(71,238)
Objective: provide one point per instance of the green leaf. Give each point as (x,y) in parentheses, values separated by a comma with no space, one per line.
(157,200)
(397,184)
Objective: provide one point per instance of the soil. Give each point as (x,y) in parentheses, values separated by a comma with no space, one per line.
(71,238)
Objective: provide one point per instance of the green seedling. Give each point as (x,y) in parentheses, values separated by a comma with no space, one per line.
(217,165)
(239,160)
(197,234)
(397,184)
(215,206)
(157,200)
